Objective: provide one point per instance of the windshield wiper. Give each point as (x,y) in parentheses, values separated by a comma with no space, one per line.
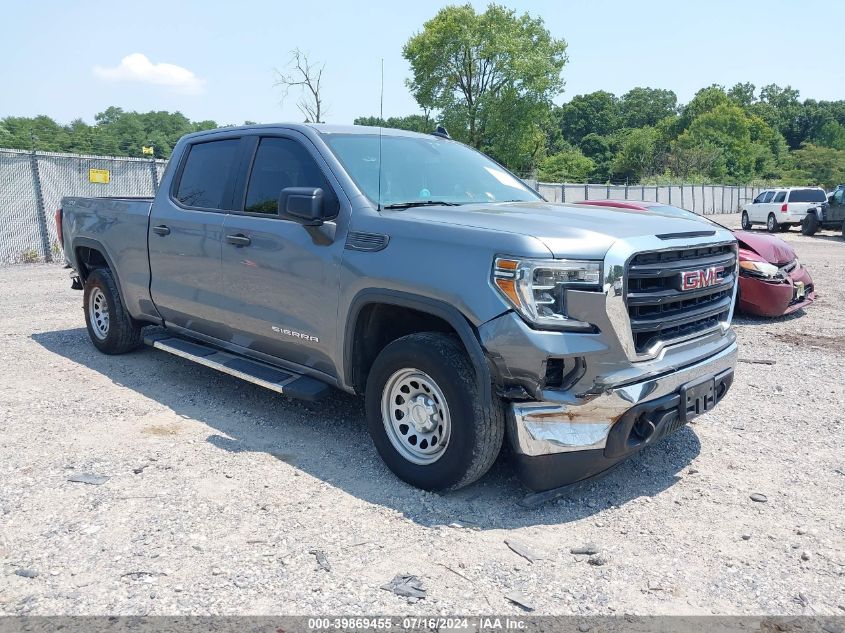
(422,203)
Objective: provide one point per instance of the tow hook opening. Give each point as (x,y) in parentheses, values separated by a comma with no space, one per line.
(643,428)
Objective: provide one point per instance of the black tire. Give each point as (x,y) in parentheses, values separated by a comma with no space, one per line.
(843,230)
(772,224)
(746,223)
(121,333)
(810,224)
(476,426)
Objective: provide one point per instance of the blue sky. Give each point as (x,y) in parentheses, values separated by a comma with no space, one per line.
(63,59)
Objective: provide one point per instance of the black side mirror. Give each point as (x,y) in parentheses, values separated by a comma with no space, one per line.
(302,204)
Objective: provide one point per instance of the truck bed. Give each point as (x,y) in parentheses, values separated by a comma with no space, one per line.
(117,227)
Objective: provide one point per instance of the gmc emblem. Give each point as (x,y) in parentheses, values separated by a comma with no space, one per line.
(694,279)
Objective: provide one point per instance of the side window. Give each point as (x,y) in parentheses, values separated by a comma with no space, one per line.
(281,163)
(780,197)
(760,197)
(838,195)
(205,174)
(769,196)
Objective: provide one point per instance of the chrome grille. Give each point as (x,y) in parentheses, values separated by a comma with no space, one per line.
(662,307)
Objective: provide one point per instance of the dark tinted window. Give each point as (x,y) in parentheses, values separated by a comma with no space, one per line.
(281,163)
(780,197)
(807,195)
(206,172)
(769,196)
(759,198)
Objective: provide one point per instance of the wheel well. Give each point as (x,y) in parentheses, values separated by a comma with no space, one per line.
(88,259)
(378,325)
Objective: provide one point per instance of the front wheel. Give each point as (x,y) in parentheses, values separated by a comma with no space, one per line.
(429,422)
(746,222)
(772,224)
(110,327)
(810,224)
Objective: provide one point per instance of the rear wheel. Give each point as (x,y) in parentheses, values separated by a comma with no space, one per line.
(810,224)
(110,327)
(772,223)
(746,222)
(426,416)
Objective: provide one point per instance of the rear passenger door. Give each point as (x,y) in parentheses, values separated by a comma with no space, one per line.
(185,233)
(281,278)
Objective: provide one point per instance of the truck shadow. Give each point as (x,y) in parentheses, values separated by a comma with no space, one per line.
(329,440)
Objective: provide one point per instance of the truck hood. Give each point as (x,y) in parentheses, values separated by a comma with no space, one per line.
(566,230)
(772,249)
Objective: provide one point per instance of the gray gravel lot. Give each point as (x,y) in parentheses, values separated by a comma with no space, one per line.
(218,491)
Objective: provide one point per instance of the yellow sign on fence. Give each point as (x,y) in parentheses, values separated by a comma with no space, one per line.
(99,175)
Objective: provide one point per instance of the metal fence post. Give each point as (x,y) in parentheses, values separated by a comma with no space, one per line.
(154,175)
(586,192)
(40,214)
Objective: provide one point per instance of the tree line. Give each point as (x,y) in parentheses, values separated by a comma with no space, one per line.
(492,79)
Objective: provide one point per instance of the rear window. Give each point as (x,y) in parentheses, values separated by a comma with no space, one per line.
(807,195)
(205,175)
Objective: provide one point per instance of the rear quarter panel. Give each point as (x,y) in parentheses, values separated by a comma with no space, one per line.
(118,229)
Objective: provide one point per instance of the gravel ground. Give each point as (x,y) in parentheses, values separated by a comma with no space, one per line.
(218,491)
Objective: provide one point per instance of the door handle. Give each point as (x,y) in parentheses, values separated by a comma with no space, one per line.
(238,240)
(161,229)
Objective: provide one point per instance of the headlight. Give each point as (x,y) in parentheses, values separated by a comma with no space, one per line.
(536,288)
(760,269)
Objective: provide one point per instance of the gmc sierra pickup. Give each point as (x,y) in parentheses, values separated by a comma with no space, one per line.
(416,271)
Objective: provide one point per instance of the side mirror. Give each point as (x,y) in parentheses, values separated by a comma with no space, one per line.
(303,205)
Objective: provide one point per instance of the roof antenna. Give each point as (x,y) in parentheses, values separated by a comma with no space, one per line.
(380,123)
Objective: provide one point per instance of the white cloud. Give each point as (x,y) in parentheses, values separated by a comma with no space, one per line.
(138,67)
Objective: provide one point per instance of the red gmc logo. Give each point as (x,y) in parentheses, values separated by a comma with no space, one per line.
(693,279)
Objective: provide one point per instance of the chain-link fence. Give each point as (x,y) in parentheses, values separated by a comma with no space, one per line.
(701,199)
(32,185)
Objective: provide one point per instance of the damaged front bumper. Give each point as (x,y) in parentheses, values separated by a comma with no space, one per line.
(566,439)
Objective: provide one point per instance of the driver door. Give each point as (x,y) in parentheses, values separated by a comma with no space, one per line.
(280,278)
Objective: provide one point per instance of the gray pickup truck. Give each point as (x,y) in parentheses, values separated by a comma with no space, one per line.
(417,272)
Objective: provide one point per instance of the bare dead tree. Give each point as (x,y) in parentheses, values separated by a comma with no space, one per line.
(303,75)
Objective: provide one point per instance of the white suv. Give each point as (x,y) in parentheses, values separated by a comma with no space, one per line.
(782,208)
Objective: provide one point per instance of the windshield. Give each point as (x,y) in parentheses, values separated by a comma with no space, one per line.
(807,195)
(424,169)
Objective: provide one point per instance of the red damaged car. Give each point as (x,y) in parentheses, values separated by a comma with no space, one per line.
(772,282)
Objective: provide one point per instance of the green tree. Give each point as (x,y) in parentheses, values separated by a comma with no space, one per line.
(816,165)
(593,113)
(569,165)
(637,157)
(742,94)
(741,146)
(473,67)
(831,134)
(641,107)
